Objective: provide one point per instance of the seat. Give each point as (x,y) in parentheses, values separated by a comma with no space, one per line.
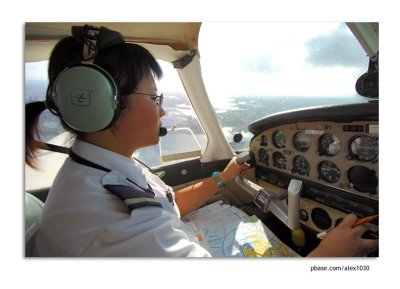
(33,209)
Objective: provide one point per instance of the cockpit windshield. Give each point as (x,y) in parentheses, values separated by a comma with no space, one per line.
(272,67)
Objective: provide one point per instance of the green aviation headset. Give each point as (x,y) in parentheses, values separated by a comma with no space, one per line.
(85,96)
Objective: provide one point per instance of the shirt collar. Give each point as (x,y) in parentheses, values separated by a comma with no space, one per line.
(110,160)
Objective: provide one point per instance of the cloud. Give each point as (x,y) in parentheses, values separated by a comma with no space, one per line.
(260,64)
(337,48)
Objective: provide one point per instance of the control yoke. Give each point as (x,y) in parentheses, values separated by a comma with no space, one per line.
(268,201)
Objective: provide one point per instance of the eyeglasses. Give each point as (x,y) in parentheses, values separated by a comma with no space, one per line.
(157,98)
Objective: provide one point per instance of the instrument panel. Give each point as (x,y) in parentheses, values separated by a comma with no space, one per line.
(333,151)
(339,155)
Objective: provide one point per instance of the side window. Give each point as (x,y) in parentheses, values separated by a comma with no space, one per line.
(185,138)
(35,90)
(50,130)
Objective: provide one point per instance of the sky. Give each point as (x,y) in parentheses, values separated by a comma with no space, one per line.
(280,59)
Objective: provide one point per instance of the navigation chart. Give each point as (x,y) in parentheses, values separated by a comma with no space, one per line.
(226,231)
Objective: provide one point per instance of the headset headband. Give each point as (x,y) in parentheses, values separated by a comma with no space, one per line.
(95,39)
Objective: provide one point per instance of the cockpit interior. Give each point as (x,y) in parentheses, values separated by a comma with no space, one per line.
(310,166)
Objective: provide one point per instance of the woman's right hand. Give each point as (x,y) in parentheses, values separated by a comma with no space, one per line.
(345,241)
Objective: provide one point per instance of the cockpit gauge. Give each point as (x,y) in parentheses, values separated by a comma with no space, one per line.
(279,139)
(301,166)
(301,141)
(329,145)
(329,172)
(279,160)
(263,156)
(363,179)
(363,148)
(264,141)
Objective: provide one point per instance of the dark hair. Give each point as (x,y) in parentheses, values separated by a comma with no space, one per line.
(127,63)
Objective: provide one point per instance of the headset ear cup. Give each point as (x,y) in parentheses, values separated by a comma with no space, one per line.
(86,97)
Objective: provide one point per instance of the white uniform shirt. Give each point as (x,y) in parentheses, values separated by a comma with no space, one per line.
(82,218)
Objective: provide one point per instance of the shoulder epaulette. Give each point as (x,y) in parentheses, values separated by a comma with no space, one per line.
(134,198)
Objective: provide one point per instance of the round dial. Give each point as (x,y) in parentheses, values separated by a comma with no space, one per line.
(329,172)
(263,156)
(329,145)
(301,141)
(301,165)
(321,218)
(364,148)
(279,139)
(264,141)
(363,179)
(279,160)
